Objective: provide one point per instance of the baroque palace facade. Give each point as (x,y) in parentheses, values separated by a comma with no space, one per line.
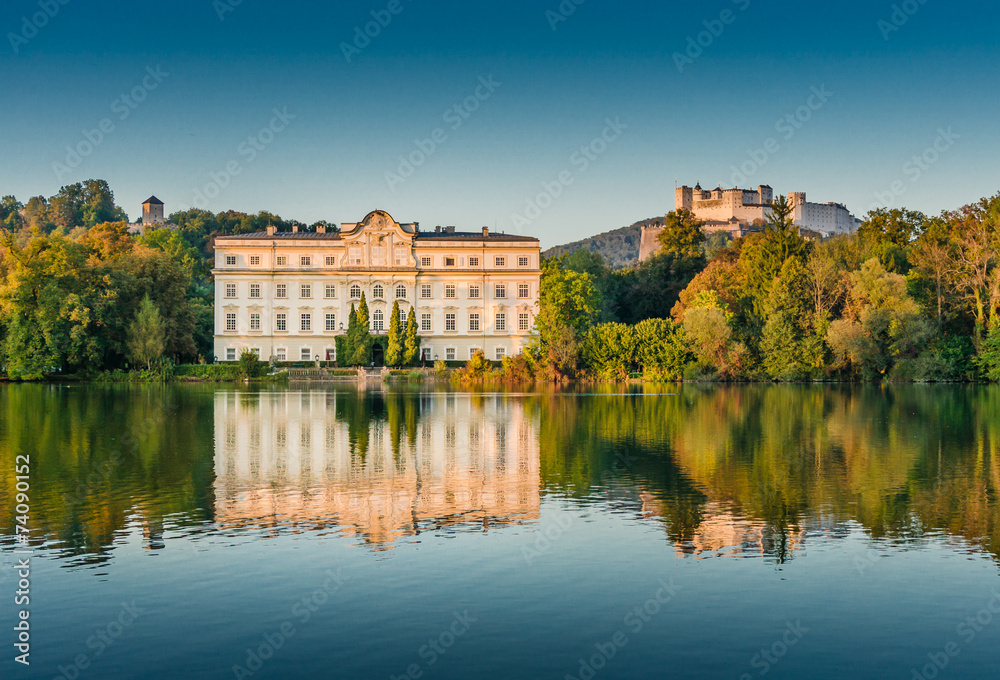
(288,295)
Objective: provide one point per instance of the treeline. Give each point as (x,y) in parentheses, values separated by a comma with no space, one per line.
(80,295)
(908,297)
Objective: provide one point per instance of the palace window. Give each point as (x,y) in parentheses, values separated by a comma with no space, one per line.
(281,322)
(254,291)
(450,291)
(356,255)
(399,257)
(449,262)
(473,261)
(474,291)
(378,292)
(305,261)
(305,322)
(449,322)
(522,261)
(449,354)
(355,292)
(501,353)
(425,262)
(500,261)
(281,354)
(230,290)
(331,261)
(255,260)
(378,320)
(473,351)
(282,260)
(230,260)
(230,322)
(523,322)
(425,291)
(305,354)
(331,290)
(501,321)
(281,291)
(474,322)
(255,321)
(305,291)
(425,323)
(522,290)
(402,316)
(400,292)
(331,322)
(230,354)
(500,291)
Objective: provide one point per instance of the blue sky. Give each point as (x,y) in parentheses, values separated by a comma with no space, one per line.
(605,78)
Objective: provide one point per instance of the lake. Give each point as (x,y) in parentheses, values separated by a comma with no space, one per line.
(195,531)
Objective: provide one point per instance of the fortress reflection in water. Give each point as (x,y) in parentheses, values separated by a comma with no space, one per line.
(378,467)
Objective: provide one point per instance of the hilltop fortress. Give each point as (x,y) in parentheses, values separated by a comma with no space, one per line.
(738,211)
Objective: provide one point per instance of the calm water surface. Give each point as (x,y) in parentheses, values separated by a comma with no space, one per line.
(744,532)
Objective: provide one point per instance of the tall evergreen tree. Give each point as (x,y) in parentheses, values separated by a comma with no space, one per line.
(411,344)
(363,338)
(395,351)
(352,336)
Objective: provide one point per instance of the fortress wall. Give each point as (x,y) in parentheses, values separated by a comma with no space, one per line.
(649,243)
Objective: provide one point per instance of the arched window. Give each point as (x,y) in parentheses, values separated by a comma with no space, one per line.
(378,292)
(355,292)
(400,292)
(377,320)
(402,316)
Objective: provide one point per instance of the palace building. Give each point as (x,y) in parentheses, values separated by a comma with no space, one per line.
(288,294)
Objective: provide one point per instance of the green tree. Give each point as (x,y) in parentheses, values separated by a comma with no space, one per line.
(351,339)
(147,335)
(882,323)
(395,351)
(363,341)
(785,350)
(411,343)
(568,303)
(683,235)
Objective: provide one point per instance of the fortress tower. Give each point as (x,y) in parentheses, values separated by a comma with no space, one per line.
(152,211)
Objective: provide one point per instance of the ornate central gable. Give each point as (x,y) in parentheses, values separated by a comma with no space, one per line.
(378,241)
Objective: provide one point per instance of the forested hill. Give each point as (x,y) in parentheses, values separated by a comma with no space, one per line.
(620,247)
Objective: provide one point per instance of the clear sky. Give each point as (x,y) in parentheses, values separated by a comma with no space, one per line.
(187,91)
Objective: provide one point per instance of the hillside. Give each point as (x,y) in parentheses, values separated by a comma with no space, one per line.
(619,247)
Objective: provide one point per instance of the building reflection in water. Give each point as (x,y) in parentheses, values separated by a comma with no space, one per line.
(377,466)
